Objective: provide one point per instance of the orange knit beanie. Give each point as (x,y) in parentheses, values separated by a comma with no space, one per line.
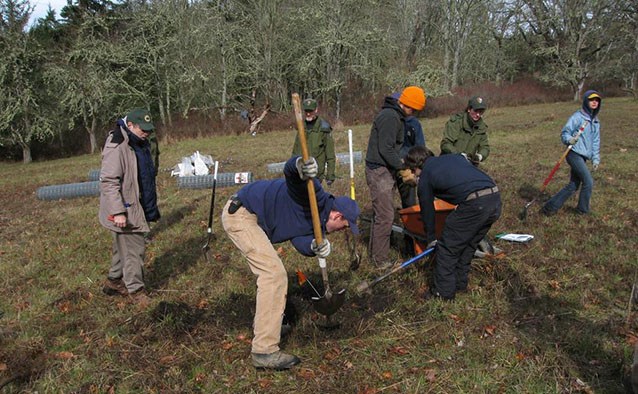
(413,97)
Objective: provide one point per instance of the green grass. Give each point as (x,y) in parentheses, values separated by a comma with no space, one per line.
(551,317)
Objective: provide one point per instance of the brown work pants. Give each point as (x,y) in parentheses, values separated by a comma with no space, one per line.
(272,279)
(127,261)
(381,184)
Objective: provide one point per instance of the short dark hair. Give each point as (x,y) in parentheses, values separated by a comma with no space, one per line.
(417,156)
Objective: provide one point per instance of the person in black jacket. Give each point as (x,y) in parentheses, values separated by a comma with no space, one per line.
(478,205)
(383,162)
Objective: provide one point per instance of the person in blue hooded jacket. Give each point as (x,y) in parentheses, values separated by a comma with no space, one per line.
(269,212)
(585,147)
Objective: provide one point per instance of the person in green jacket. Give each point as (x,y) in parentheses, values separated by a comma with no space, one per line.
(466,132)
(320,143)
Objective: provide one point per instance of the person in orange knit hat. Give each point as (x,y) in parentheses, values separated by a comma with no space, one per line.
(383,163)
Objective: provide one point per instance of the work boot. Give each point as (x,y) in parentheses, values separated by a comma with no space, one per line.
(140,298)
(277,360)
(114,287)
(547,212)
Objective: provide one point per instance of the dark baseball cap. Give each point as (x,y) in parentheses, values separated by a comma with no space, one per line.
(350,210)
(476,103)
(309,104)
(141,117)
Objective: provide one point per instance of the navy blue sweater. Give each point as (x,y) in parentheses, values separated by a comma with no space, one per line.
(283,208)
(451,178)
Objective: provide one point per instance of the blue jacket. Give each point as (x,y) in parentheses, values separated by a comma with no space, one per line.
(588,144)
(283,208)
(412,135)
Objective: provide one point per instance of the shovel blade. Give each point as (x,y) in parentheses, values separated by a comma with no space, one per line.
(329,305)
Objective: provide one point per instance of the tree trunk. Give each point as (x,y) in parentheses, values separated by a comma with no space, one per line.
(92,138)
(26,154)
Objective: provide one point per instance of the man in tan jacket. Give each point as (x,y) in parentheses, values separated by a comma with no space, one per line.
(128,201)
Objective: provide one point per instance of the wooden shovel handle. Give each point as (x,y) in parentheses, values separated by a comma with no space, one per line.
(314,209)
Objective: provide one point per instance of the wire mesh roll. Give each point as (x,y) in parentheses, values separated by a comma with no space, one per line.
(69,190)
(94,175)
(224,179)
(341,158)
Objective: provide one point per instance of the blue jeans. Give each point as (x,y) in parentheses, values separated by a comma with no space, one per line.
(579,177)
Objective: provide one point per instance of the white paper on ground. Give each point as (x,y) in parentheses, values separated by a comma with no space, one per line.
(515,237)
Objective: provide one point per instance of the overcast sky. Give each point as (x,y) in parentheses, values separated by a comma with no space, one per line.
(41,6)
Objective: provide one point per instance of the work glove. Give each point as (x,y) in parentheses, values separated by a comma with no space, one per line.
(596,166)
(322,250)
(573,140)
(465,155)
(477,158)
(308,169)
(431,244)
(408,177)
(329,182)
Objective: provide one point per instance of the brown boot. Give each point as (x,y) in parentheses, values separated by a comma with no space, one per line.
(114,287)
(140,298)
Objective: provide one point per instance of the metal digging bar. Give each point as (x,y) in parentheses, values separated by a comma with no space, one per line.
(209,231)
(523,214)
(355,258)
(329,303)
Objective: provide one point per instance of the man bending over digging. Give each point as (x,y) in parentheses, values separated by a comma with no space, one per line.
(267,212)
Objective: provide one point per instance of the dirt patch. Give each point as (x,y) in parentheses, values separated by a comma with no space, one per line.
(24,362)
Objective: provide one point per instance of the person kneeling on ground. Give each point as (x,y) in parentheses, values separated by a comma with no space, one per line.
(268,212)
(478,205)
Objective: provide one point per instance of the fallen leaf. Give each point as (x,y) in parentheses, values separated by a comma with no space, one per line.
(348,365)
(3,367)
(368,390)
(280,251)
(307,373)
(227,345)
(264,383)
(202,304)
(430,375)
(200,377)
(167,359)
(520,356)
(554,284)
(387,375)
(65,355)
(489,330)
(456,318)
(332,353)
(399,350)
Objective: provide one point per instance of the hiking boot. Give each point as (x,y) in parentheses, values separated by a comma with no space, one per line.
(140,298)
(277,361)
(547,212)
(114,287)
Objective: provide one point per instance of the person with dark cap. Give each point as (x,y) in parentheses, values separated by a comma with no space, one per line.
(466,132)
(269,212)
(320,142)
(128,202)
(384,162)
(585,146)
(478,205)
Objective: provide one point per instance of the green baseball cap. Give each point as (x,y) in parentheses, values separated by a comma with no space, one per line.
(142,117)
(476,103)
(309,104)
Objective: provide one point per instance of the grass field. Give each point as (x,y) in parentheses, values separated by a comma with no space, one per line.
(553,316)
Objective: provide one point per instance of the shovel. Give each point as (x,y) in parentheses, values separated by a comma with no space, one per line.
(329,303)
(355,258)
(211,236)
(364,286)
(523,214)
